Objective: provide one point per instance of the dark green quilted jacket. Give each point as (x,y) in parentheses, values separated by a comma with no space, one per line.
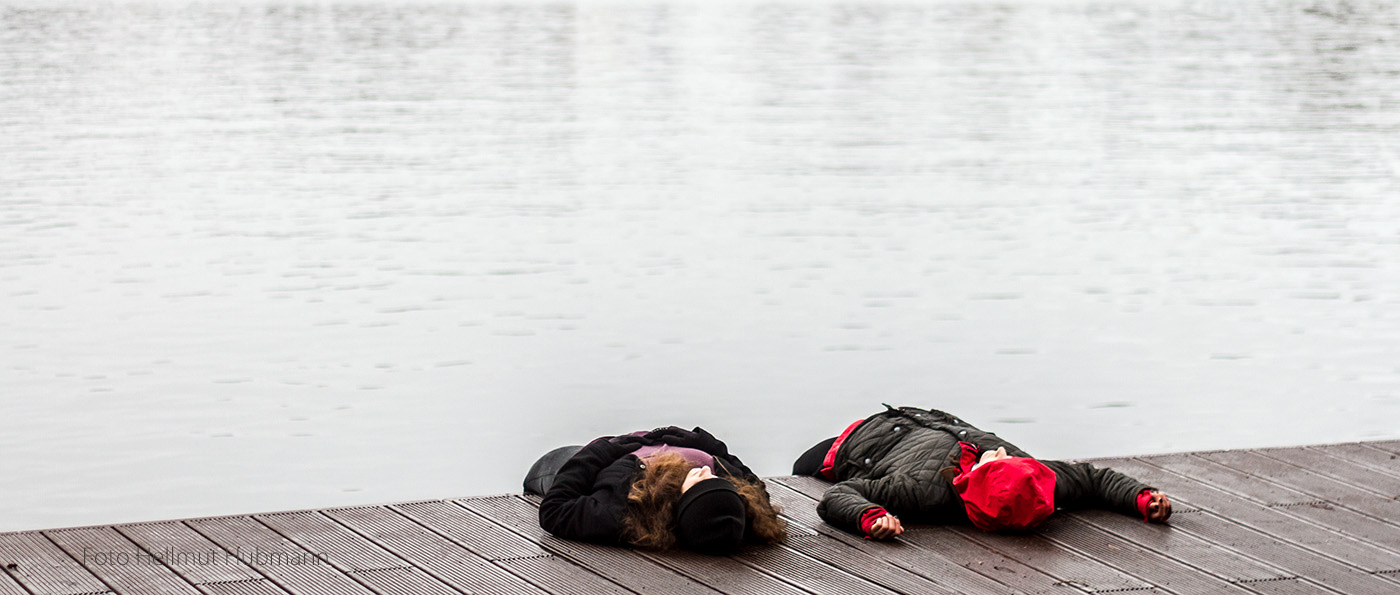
(896,459)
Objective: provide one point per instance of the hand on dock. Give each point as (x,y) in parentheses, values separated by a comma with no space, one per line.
(886,527)
(1159,508)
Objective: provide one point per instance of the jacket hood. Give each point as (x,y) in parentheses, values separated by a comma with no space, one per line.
(1014,493)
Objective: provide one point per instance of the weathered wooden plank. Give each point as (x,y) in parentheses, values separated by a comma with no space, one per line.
(1365,454)
(900,553)
(1353,473)
(561,577)
(402,581)
(1273,469)
(1155,566)
(1204,470)
(1180,545)
(8,586)
(243,587)
(119,562)
(1277,521)
(431,552)
(724,574)
(1265,474)
(289,565)
(506,548)
(791,564)
(1267,534)
(939,549)
(1066,566)
(45,569)
(188,553)
(1210,486)
(470,530)
(949,544)
(341,547)
(1294,586)
(800,512)
(622,566)
(1391,446)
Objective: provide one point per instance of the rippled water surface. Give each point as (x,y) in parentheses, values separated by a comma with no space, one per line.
(259,256)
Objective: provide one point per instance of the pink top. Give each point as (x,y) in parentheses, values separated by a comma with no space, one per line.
(696,457)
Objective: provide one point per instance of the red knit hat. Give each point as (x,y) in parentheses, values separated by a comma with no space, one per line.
(1013,493)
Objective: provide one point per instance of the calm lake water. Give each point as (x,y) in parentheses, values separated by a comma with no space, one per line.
(259,256)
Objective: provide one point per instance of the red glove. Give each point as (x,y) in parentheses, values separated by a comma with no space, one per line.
(868,518)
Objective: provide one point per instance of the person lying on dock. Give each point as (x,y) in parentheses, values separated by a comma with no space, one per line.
(665,488)
(928,466)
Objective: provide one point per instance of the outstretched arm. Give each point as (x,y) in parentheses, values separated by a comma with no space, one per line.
(1082,485)
(847,504)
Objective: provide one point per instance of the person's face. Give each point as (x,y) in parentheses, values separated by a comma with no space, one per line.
(696,476)
(992,455)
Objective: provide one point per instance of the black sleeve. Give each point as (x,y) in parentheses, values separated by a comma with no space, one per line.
(917,496)
(697,438)
(1082,485)
(578,506)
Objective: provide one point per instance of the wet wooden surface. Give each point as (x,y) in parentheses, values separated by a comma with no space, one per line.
(1315,519)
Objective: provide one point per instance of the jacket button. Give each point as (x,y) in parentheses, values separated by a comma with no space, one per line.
(867,461)
(962,433)
(897,428)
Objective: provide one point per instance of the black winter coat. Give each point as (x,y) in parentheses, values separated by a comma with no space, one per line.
(904,459)
(588,501)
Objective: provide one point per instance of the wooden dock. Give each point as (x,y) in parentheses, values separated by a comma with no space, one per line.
(1316,519)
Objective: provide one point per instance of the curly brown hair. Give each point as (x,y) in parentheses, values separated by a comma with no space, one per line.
(651,521)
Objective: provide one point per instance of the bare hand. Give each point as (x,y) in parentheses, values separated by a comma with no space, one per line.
(886,527)
(1159,508)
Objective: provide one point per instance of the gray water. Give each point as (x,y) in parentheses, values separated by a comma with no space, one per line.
(260,256)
